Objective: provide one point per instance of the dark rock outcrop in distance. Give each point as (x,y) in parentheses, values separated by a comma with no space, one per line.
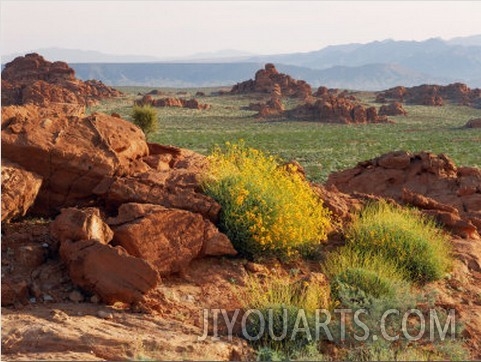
(269,80)
(324,91)
(392,109)
(433,95)
(336,109)
(427,181)
(33,80)
(171,102)
(473,123)
(273,107)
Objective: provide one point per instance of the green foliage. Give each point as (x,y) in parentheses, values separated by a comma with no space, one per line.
(146,118)
(281,300)
(405,238)
(365,274)
(267,209)
(277,290)
(321,148)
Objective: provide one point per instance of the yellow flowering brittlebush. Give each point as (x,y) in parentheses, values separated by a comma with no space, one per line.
(267,210)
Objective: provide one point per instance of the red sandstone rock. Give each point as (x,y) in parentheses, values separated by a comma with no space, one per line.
(433,95)
(336,109)
(430,182)
(269,80)
(72,155)
(86,224)
(33,80)
(108,271)
(273,107)
(175,182)
(19,190)
(169,239)
(474,123)
(171,102)
(392,109)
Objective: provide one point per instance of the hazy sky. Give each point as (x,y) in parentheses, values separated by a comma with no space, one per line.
(173,28)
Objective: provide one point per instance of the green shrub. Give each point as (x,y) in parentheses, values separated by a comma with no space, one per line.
(267,209)
(404,238)
(277,290)
(281,300)
(358,278)
(146,118)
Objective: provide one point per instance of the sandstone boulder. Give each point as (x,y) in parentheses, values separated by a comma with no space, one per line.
(174,183)
(428,181)
(168,238)
(19,190)
(108,271)
(336,109)
(75,224)
(392,109)
(269,80)
(473,123)
(72,155)
(433,95)
(271,108)
(14,292)
(33,80)
(171,102)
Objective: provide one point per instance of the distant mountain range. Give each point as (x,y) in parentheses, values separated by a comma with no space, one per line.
(373,66)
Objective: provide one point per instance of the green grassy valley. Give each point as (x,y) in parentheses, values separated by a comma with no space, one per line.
(321,148)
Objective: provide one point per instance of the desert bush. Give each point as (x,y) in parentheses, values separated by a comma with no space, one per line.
(146,118)
(278,290)
(281,300)
(267,209)
(363,277)
(409,241)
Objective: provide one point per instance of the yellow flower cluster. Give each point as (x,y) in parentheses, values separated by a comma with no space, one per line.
(266,208)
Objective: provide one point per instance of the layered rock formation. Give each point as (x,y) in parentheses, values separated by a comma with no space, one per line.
(171,102)
(473,123)
(430,182)
(33,80)
(336,109)
(269,80)
(433,95)
(273,107)
(125,211)
(392,109)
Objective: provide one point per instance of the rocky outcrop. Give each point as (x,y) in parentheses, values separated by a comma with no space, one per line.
(95,266)
(108,271)
(88,167)
(174,182)
(433,95)
(73,224)
(168,238)
(19,190)
(269,80)
(171,102)
(72,154)
(323,91)
(392,109)
(425,180)
(271,108)
(336,109)
(473,123)
(33,80)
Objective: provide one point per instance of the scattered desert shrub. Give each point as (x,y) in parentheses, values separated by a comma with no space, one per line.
(403,237)
(361,278)
(286,304)
(267,209)
(277,290)
(146,118)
